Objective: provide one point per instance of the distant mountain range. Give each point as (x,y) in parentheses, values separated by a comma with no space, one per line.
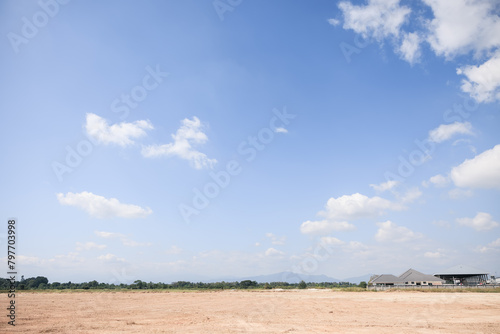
(287,276)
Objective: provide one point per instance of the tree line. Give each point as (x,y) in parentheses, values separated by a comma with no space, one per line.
(42,283)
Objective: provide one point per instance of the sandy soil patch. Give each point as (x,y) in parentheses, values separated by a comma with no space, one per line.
(297,311)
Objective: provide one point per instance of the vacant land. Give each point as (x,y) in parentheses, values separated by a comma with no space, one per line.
(292,311)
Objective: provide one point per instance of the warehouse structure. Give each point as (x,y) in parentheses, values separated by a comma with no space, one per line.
(411,277)
(463,275)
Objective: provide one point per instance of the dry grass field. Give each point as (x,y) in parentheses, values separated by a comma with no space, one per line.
(293,311)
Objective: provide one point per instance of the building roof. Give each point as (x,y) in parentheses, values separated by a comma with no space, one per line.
(385,278)
(462,270)
(411,275)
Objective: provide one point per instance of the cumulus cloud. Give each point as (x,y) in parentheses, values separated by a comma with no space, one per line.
(492,246)
(439,180)
(433,255)
(276,240)
(457,27)
(273,252)
(378,19)
(356,206)
(483,81)
(483,171)
(331,241)
(334,22)
(389,231)
(101,207)
(338,211)
(385,185)
(121,134)
(281,130)
(462,26)
(323,227)
(410,48)
(190,133)
(446,131)
(481,222)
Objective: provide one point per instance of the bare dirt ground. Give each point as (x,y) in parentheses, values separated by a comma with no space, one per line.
(295,311)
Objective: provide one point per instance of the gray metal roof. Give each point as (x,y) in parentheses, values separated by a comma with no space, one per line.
(411,275)
(386,278)
(462,269)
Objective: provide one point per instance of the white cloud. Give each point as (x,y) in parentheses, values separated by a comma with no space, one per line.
(110,258)
(190,133)
(324,227)
(492,246)
(483,171)
(378,19)
(458,27)
(121,134)
(462,26)
(356,206)
(483,81)
(389,231)
(439,180)
(281,130)
(481,222)
(331,241)
(273,252)
(410,48)
(101,207)
(276,240)
(334,22)
(108,235)
(88,246)
(449,36)
(385,185)
(123,238)
(446,131)
(433,255)
(348,207)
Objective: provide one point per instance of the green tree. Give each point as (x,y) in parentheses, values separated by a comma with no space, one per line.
(362,284)
(302,285)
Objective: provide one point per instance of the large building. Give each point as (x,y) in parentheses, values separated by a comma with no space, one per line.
(463,275)
(411,277)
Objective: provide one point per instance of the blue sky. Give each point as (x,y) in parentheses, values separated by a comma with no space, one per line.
(190,140)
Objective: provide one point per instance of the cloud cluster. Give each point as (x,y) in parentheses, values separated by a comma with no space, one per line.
(447,131)
(122,134)
(378,19)
(457,27)
(481,222)
(338,211)
(389,231)
(483,171)
(190,133)
(101,207)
